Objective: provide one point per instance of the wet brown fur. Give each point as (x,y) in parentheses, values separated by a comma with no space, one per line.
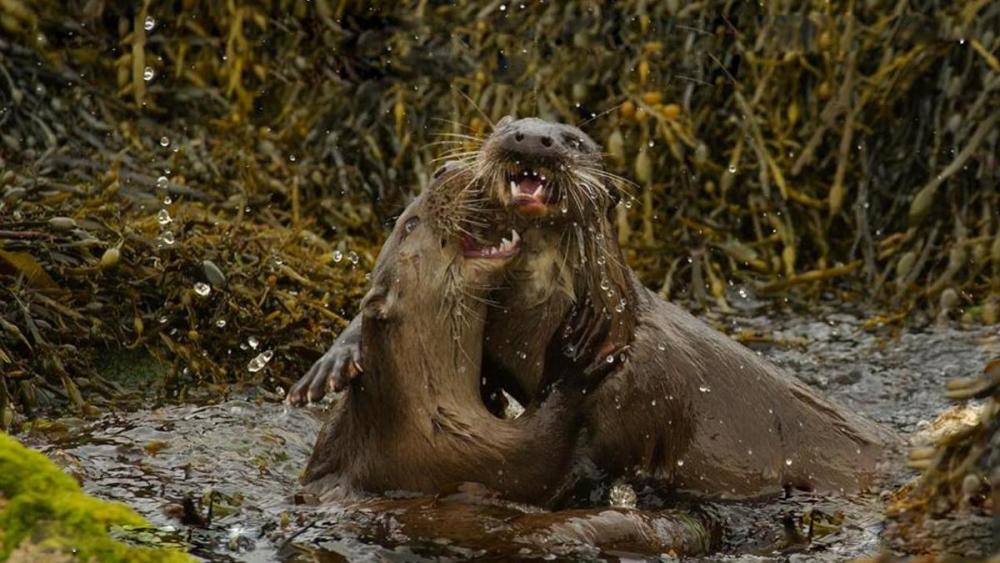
(415,421)
(692,408)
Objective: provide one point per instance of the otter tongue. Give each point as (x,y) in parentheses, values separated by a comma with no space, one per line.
(527,186)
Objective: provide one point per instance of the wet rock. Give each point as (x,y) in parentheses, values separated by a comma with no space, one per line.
(849,377)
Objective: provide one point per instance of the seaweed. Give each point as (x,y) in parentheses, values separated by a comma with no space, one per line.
(185,177)
(951,510)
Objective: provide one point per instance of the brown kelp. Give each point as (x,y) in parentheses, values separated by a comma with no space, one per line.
(151,151)
(952,509)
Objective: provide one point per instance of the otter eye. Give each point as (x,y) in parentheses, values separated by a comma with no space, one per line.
(411,224)
(573,141)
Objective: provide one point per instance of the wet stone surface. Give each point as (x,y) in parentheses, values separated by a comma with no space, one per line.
(243,456)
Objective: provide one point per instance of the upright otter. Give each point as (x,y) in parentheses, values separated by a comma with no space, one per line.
(416,422)
(691,406)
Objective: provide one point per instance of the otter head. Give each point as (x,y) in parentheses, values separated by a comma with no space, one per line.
(444,254)
(552,177)
(546,170)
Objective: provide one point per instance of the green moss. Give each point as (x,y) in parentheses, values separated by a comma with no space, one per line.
(42,506)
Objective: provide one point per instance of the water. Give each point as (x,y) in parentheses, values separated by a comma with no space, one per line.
(247,451)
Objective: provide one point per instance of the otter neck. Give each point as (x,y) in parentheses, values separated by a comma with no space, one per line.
(423,357)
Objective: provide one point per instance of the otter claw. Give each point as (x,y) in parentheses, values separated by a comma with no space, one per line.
(331,373)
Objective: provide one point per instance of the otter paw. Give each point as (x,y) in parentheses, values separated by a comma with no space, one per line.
(340,365)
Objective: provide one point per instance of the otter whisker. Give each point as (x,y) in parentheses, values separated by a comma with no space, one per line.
(618,180)
(451,122)
(457,156)
(600,115)
(459,135)
(473,103)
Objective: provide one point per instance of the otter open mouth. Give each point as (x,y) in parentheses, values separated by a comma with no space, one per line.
(531,190)
(507,247)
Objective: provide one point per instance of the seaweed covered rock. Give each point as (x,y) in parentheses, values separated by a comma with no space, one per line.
(44,516)
(953,509)
(185,177)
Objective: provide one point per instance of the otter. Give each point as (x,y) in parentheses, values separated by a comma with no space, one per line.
(416,421)
(691,408)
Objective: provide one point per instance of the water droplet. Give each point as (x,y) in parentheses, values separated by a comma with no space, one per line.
(291,157)
(620,307)
(202,289)
(149,24)
(661,347)
(601,260)
(788,461)
(253,342)
(605,284)
(164,141)
(749,452)
(680,463)
(259,361)
(163,217)
(162,182)
(503,7)
(610,359)
(163,320)
(353,257)
(168,238)
(704,388)
(148,74)
(653,402)
(338,256)
(168,200)
(732,169)
(221,323)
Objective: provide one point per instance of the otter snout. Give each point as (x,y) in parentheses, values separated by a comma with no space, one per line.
(537,139)
(540,166)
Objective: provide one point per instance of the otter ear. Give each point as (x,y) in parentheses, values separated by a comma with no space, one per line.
(378,303)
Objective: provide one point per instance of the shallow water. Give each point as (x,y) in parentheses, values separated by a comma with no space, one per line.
(246,453)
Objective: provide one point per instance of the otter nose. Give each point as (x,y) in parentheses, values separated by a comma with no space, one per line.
(532,143)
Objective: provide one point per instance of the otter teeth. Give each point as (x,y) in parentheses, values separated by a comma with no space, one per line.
(505,246)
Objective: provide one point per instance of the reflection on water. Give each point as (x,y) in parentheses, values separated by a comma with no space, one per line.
(242,458)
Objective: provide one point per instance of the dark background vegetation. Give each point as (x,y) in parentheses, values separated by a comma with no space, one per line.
(152,150)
